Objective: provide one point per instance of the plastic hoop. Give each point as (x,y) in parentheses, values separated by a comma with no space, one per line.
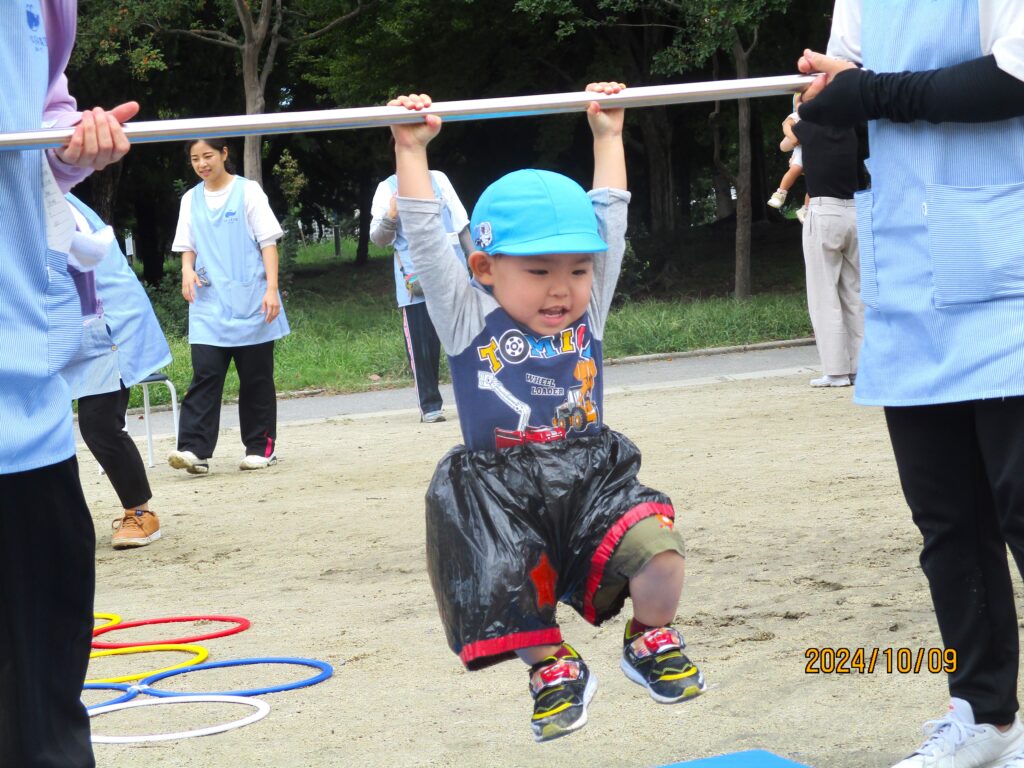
(241,626)
(112,619)
(326,670)
(262,709)
(129,693)
(200,655)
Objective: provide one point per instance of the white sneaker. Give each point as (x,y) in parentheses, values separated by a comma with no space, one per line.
(831,381)
(432,417)
(1017,761)
(778,198)
(189,462)
(954,741)
(258,462)
(801,214)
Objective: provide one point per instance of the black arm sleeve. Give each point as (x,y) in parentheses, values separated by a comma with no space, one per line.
(976,91)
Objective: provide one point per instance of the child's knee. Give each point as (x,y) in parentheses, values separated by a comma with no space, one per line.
(667,564)
(652,542)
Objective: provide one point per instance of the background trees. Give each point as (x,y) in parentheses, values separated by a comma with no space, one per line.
(691,167)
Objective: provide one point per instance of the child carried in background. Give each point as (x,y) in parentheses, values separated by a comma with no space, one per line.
(542,504)
(790,143)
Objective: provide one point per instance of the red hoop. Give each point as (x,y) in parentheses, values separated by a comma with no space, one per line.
(240,626)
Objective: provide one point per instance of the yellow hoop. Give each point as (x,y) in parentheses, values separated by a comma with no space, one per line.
(200,655)
(112,619)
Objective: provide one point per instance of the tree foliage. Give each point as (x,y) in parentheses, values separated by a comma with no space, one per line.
(184,58)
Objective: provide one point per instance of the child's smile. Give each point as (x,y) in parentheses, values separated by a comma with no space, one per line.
(544,293)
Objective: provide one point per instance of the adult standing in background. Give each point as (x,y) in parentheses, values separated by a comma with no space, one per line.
(942,249)
(121,345)
(831,258)
(47,540)
(227,237)
(421,342)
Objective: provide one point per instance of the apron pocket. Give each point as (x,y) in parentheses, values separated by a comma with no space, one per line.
(866,247)
(246,299)
(976,243)
(63,313)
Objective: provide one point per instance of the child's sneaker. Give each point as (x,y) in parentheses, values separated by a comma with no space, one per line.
(778,198)
(801,214)
(655,660)
(254,461)
(137,528)
(561,689)
(189,462)
(956,741)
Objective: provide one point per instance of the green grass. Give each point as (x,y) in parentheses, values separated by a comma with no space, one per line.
(347,332)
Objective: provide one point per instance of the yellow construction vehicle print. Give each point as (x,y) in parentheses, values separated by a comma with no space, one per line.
(578,411)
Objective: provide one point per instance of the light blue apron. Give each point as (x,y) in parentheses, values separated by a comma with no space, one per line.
(941,230)
(226,313)
(125,343)
(40,314)
(403,262)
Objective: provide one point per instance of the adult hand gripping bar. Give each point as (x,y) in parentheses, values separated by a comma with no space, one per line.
(472,109)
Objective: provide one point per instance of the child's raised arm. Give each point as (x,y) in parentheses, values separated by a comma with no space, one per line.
(411,141)
(609,153)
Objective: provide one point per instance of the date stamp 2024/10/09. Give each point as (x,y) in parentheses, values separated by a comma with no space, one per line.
(847,661)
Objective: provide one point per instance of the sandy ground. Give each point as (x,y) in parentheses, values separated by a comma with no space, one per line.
(797,534)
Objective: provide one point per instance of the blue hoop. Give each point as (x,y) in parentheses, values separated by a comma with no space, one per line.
(326,670)
(130,692)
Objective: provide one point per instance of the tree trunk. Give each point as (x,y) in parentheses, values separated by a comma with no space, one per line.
(255,104)
(758,169)
(147,244)
(103,191)
(657,137)
(743,203)
(725,206)
(366,190)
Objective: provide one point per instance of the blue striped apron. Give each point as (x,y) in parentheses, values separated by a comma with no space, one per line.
(941,229)
(40,314)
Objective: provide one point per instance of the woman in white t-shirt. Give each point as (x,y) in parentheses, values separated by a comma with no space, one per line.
(227,238)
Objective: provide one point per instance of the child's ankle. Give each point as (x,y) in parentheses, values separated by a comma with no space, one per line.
(634,628)
(561,651)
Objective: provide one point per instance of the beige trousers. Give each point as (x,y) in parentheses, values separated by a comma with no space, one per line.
(833,283)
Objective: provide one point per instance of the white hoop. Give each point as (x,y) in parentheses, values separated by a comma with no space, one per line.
(262,710)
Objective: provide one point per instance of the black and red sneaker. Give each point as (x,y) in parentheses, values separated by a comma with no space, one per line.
(655,660)
(562,688)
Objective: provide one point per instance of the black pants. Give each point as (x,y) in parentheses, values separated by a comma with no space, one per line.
(257,399)
(962,470)
(424,351)
(47,582)
(101,421)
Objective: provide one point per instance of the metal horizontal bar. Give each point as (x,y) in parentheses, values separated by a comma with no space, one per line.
(472,109)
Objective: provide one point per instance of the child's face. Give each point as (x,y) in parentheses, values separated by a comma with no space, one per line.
(546,294)
(207,162)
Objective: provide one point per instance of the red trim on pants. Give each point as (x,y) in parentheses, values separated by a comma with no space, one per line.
(499,646)
(611,540)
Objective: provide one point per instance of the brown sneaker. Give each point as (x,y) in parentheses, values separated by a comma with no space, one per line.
(137,528)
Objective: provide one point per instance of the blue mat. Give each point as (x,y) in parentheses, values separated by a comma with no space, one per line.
(755,758)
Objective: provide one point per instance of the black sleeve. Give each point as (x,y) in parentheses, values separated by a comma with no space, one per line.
(800,131)
(976,91)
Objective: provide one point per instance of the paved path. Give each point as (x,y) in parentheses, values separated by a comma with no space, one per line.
(633,374)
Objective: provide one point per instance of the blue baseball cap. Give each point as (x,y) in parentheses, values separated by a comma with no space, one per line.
(531,213)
